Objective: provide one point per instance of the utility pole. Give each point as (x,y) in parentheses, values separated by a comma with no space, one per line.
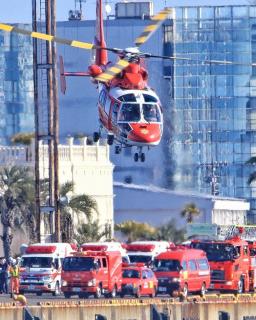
(46,120)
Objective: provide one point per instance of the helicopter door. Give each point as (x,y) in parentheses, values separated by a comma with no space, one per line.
(114,111)
(107,109)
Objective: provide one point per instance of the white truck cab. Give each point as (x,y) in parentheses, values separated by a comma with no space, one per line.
(41,267)
(146,251)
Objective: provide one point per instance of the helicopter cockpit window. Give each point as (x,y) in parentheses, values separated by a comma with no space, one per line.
(151,112)
(128,98)
(149,98)
(129,112)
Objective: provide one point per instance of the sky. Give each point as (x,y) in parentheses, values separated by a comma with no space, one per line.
(13,11)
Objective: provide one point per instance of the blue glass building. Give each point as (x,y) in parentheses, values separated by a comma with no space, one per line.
(16,85)
(212,104)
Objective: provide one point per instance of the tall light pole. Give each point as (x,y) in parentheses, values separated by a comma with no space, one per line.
(46,118)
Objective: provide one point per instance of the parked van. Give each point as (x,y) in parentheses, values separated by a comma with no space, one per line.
(182,271)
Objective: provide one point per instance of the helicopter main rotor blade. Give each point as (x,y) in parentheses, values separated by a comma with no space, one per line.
(226,62)
(47,37)
(113,71)
(156,21)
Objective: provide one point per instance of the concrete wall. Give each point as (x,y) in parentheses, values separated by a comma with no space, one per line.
(132,309)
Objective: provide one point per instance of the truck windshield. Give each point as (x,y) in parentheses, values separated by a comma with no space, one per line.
(129,112)
(217,251)
(138,258)
(131,274)
(167,265)
(36,262)
(151,112)
(78,264)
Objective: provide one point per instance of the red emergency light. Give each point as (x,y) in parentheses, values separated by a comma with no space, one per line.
(141,247)
(41,249)
(91,247)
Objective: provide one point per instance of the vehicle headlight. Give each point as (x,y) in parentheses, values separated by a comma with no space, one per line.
(175,280)
(92,283)
(64,283)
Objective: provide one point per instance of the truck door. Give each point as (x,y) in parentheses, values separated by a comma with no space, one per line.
(193,280)
(106,276)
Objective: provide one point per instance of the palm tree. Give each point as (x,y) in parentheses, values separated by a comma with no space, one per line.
(77,204)
(190,212)
(136,230)
(91,231)
(16,187)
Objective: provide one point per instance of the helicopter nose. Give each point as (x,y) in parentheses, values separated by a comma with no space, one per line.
(145,133)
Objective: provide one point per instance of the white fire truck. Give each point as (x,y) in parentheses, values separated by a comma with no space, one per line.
(41,267)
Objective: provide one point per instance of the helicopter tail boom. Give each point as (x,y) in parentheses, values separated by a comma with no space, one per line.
(101,55)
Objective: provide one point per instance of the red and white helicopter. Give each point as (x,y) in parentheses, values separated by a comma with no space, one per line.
(129,110)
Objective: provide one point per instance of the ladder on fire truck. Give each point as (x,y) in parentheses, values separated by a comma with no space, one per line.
(221,232)
(245,232)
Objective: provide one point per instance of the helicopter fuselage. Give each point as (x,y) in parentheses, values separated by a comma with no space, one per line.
(134,117)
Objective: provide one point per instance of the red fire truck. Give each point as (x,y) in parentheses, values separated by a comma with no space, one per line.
(232,266)
(92,273)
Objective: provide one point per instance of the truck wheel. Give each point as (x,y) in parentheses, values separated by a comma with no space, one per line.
(240,286)
(113,293)
(203,290)
(57,289)
(67,295)
(98,293)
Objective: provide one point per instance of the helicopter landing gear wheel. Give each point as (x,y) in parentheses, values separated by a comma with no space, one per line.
(118,149)
(136,157)
(110,139)
(96,136)
(142,157)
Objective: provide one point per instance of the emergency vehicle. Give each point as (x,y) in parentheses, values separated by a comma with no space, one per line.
(94,273)
(232,266)
(182,270)
(138,280)
(41,267)
(106,246)
(146,251)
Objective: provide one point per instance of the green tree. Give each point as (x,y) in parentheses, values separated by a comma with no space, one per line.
(190,212)
(169,232)
(134,230)
(90,232)
(23,138)
(77,204)
(16,208)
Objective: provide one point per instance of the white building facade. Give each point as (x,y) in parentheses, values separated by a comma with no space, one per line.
(87,166)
